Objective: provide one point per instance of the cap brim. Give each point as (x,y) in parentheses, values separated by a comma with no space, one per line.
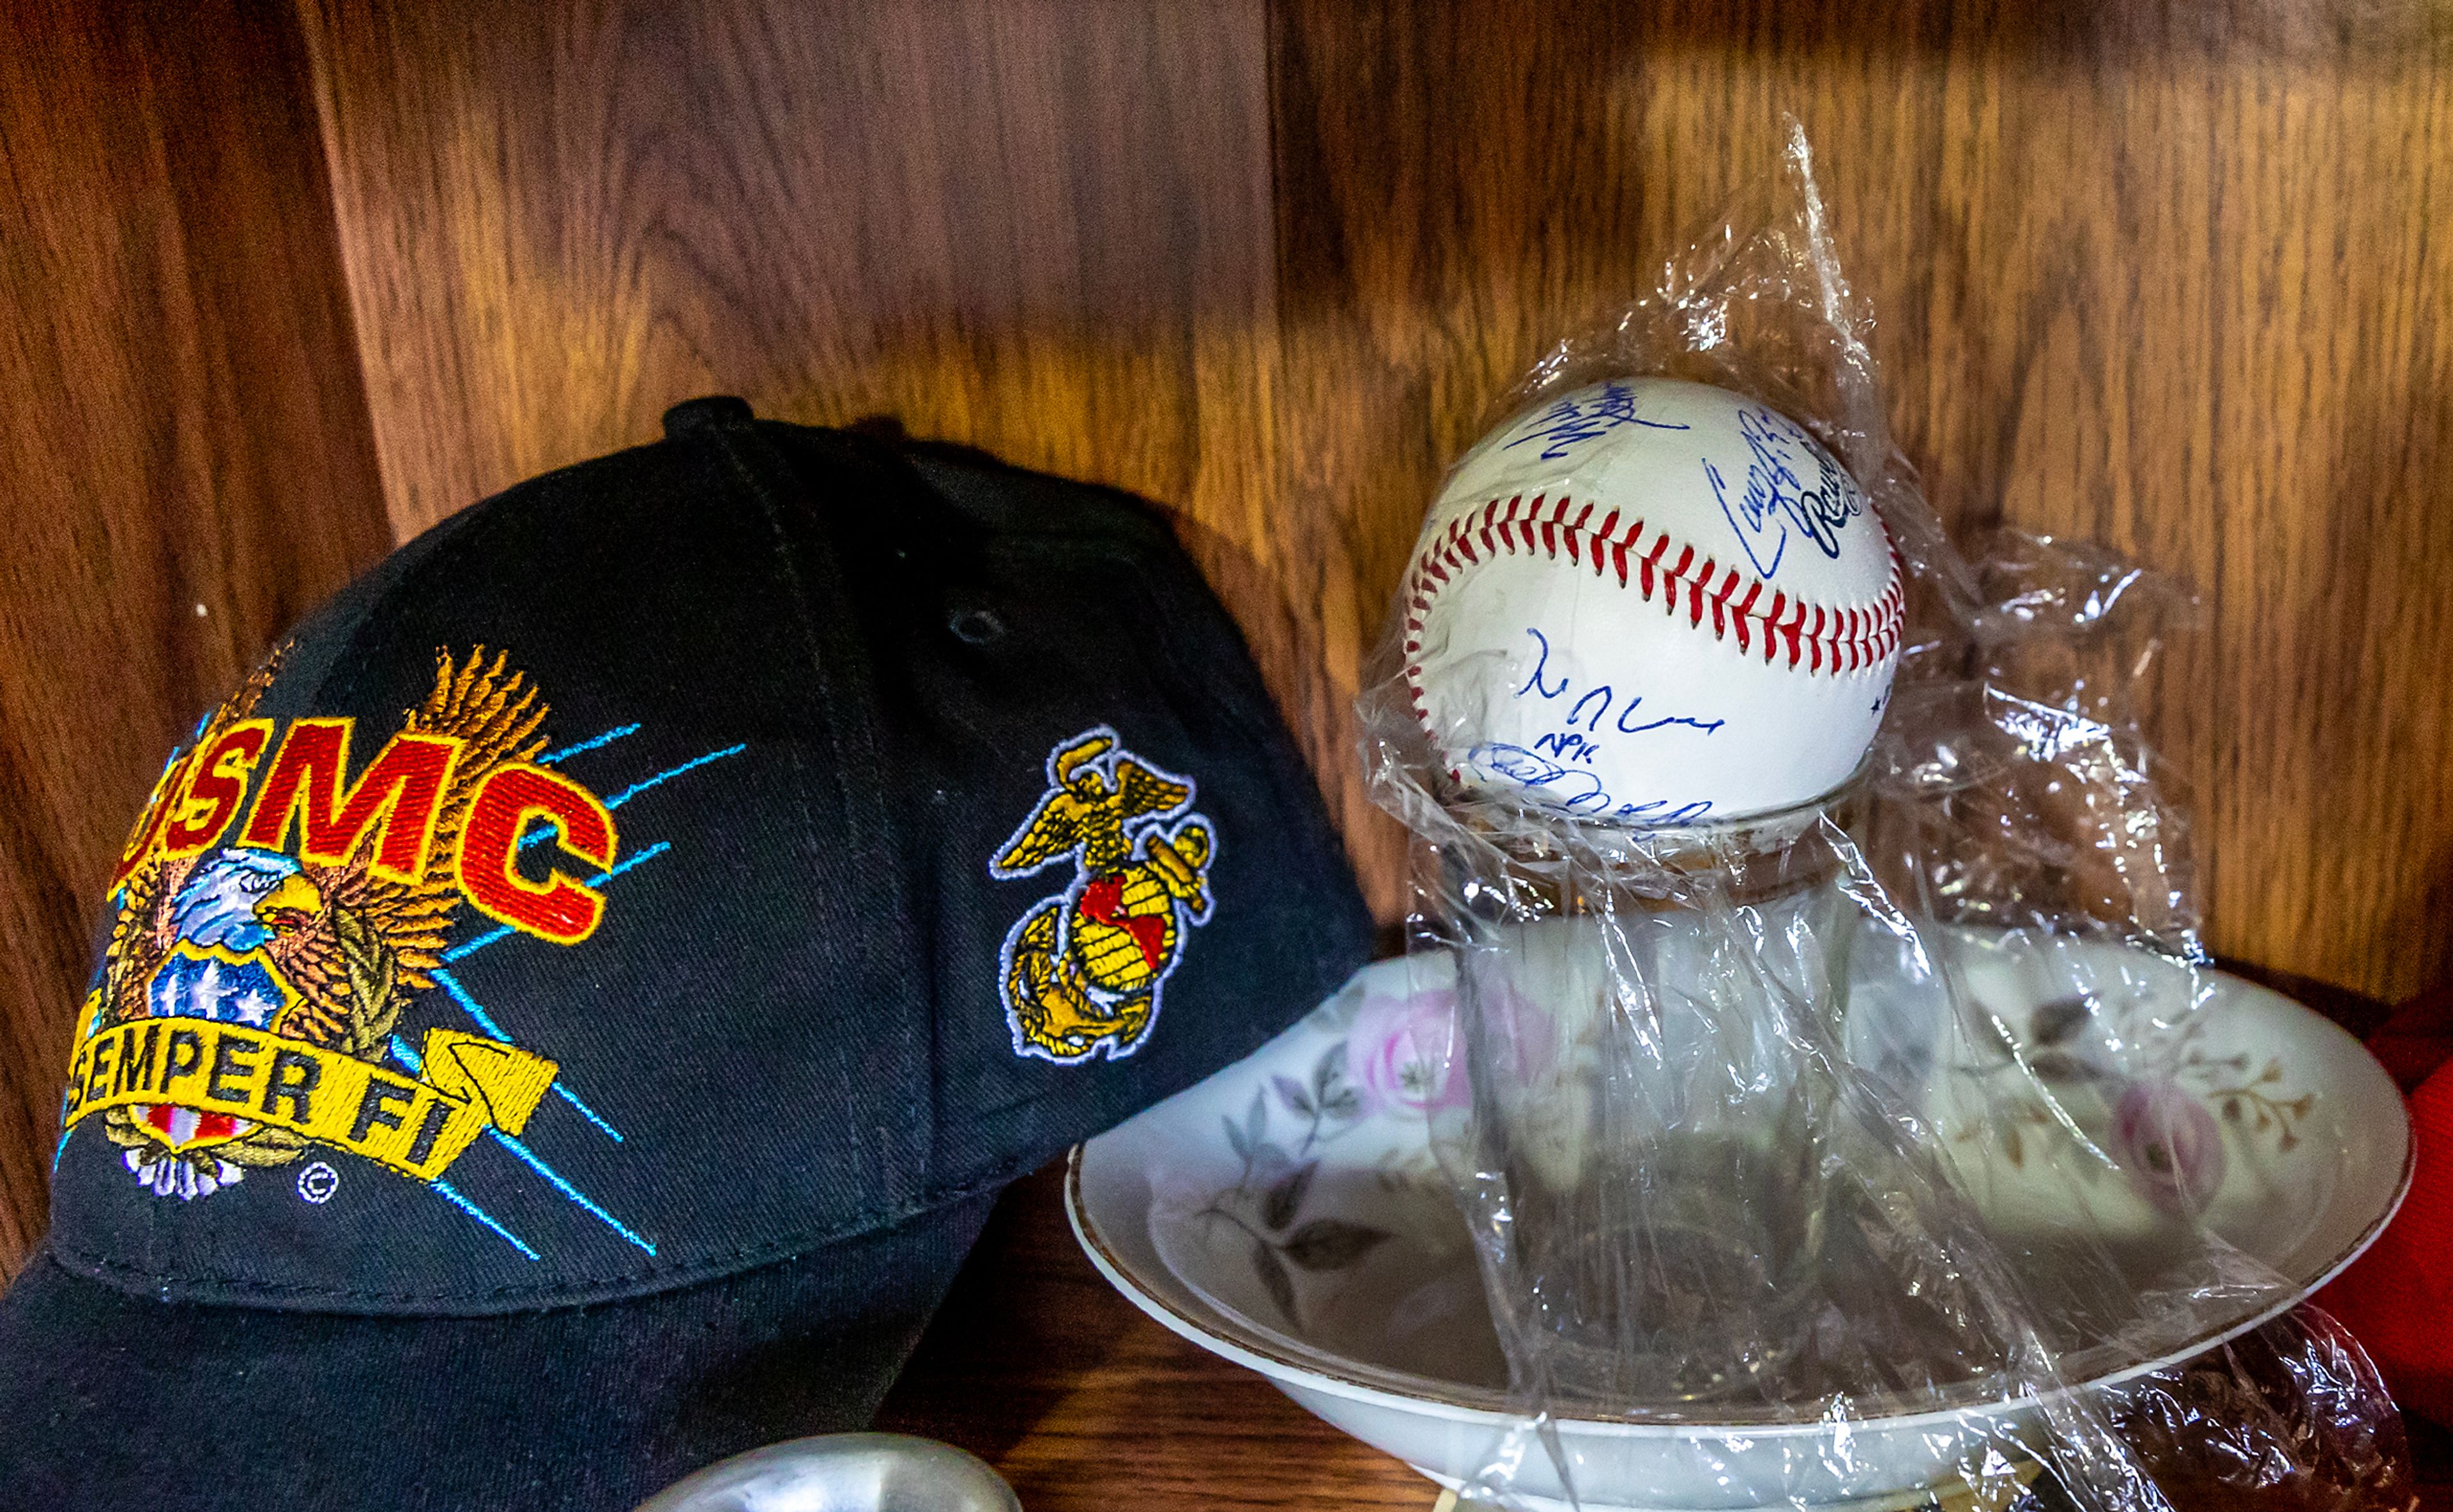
(109,1399)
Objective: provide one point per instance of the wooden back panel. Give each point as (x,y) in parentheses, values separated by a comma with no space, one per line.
(2171,279)
(186,461)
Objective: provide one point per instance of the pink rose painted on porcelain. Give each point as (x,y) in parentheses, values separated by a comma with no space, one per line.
(2170,1145)
(1396,1053)
(1403,1052)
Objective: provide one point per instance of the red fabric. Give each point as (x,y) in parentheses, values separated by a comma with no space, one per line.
(2418,1039)
(2397,1298)
(1103,902)
(163,1117)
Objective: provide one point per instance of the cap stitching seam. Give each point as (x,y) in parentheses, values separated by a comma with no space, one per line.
(707,1267)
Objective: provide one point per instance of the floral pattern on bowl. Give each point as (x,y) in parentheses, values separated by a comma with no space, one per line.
(1369,1308)
(2108,1102)
(1322,1186)
(1266,1200)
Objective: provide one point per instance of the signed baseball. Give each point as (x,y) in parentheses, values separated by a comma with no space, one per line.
(1649,602)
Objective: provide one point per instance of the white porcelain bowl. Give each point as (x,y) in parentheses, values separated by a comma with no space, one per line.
(1356,1292)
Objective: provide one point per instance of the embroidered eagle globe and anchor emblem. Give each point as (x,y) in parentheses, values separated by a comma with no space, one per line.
(1084,969)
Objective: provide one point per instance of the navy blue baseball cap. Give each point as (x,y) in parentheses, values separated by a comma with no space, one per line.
(564,1018)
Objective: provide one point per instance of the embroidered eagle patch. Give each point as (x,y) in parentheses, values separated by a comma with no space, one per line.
(1085,968)
(261,956)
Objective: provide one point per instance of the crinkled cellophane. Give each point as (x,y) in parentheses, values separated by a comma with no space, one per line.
(1742,1147)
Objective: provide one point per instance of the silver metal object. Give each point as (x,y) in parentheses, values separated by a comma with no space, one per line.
(842,1472)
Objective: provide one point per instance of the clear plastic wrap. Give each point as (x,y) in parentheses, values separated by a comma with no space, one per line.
(1776,1204)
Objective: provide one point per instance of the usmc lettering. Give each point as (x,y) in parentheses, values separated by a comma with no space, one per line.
(216,783)
(185,1058)
(397,798)
(136,1059)
(141,844)
(488,865)
(391,814)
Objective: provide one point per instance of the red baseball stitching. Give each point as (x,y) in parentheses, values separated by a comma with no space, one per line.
(1833,641)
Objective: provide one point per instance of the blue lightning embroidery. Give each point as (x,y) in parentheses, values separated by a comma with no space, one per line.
(461,951)
(409,1058)
(486,1022)
(451,1194)
(546,832)
(670,774)
(606,739)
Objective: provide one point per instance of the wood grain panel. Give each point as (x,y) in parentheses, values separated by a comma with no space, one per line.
(1040,227)
(185,458)
(2161,276)
(1029,221)
(2172,279)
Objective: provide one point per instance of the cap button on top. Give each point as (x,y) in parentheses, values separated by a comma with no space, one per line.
(714,412)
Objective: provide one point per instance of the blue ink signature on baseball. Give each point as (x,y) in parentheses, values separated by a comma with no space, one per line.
(1534,682)
(1599,699)
(1579,418)
(1574,791)
(1775,499)
(1556,770)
